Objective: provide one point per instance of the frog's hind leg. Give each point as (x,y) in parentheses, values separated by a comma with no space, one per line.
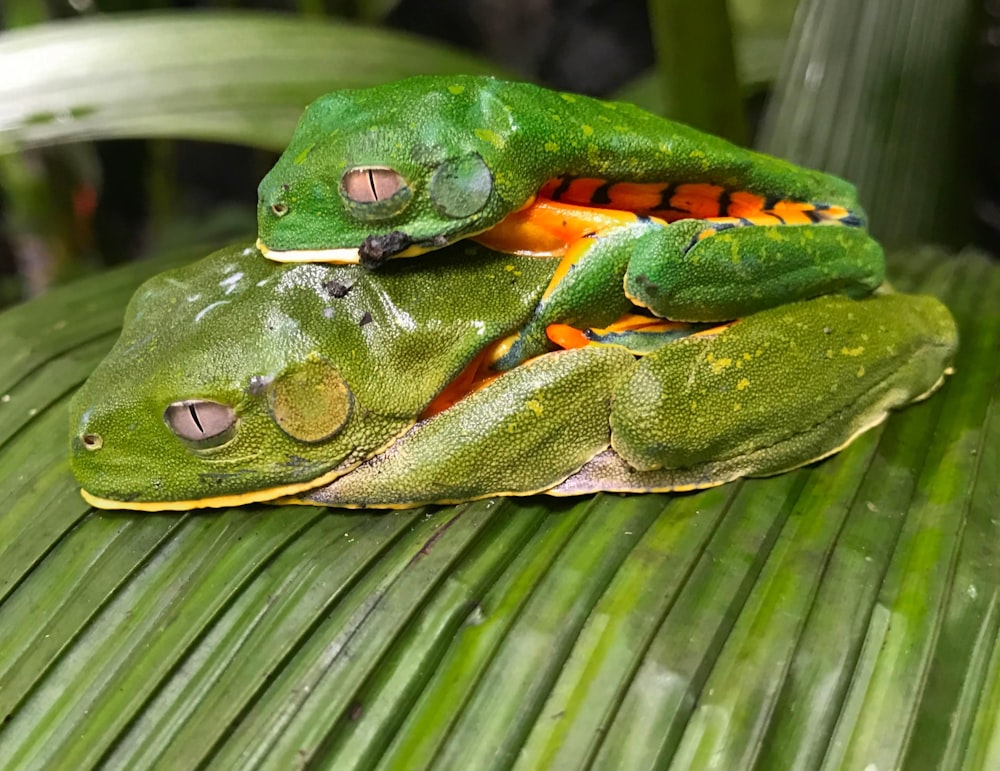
(608,472)
(729,267)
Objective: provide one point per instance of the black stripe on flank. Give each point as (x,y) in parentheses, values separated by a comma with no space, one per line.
(724,203)
(665,195)
(770,202)
(560,191)
(852,221)
(777,217)
(816,216)
(602,195)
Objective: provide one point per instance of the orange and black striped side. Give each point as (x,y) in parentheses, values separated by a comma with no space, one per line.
(676,201)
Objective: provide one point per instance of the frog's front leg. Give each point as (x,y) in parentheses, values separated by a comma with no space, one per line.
(523,433)
(718,269)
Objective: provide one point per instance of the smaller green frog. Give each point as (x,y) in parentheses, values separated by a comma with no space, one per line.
(237,379)
(694,228)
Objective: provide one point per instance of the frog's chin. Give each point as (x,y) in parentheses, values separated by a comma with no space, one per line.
(337,256)
(218,501)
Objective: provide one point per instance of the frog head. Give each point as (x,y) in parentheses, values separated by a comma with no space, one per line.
(237,379)
(394,170)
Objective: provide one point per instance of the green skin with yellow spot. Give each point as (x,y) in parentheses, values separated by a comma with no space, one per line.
(472,150)
(774,391)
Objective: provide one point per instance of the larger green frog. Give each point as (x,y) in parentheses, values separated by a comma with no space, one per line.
(237,379)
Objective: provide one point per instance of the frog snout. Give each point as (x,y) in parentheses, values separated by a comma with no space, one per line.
(274,201)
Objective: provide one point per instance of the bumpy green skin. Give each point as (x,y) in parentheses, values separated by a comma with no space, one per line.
(837,365)
(772,392)
(526,135)
(534,427)
(236,329)
(475,149)
(234,326)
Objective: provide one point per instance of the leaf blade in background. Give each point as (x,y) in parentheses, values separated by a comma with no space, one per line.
(760,34)
(694,45)
(875,91)
(237,77)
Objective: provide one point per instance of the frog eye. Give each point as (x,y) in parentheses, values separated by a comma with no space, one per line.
(201,421)
(368,185)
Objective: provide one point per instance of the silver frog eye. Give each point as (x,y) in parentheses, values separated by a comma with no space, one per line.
(200,420)
(371,184)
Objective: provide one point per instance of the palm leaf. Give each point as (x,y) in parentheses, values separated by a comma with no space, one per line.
(233,77)
(821,616)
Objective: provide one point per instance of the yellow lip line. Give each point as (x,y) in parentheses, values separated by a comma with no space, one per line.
(218,502)
(338,256)
(345,256)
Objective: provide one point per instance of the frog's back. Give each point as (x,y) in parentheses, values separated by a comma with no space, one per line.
(616,155)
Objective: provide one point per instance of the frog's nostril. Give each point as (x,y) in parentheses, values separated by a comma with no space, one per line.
(92,441)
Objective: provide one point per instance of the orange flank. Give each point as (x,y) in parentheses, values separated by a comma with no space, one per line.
(636,197)
(690,200)
(743,204)
(569,337)
(568,210)
(697,201)
(566,337)
(548,229)
(476,374)
(636,322)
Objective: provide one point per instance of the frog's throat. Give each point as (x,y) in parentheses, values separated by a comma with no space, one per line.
(220,501)
(349,256)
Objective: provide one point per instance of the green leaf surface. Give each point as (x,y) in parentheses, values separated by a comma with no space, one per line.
(842,615)
(229,76)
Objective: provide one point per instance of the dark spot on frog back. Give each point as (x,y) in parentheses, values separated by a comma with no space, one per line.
(650,287)
(337,289)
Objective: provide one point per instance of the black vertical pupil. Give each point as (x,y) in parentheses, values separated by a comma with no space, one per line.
(194,417)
